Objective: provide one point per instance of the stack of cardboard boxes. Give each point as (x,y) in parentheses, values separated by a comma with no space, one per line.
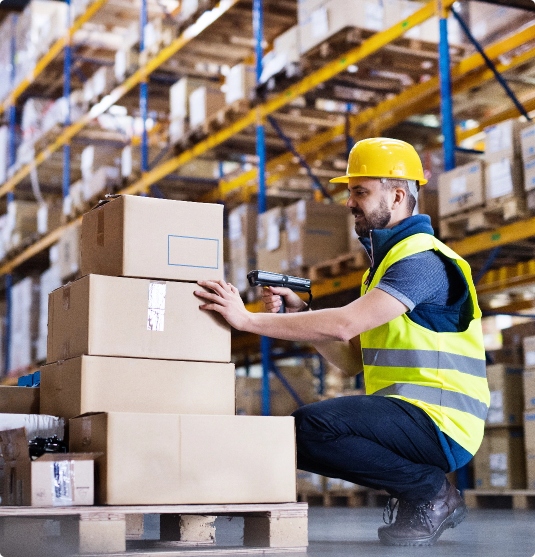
(529,409)
(143,374)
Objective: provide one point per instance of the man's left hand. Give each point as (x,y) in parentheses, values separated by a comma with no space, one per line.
(226,300)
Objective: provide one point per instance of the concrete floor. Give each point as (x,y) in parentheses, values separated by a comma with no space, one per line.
(343,532)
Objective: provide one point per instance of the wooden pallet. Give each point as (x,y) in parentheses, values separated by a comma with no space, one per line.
(340,265)
(500,499)
(43,532)
(344,498)
(496,213)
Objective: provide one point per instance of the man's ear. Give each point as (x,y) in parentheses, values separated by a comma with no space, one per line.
(399,197)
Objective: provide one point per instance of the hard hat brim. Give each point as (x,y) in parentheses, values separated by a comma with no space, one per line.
(345,179)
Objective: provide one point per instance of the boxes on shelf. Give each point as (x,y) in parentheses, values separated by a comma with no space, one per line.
(19,400)
(24,322)
(102,181)
(242,223)
(95,156)
(99,84)
(529,373)
(126,63)
(272,242)
(240,83)
(21,222)
(179,94)
(102,384)
(513,342)
(503,177)
(148,237)
(529,441)
(316,232)
(500,461)
(49,216)
(4,142)
(462,188)
(177,129)
(203,103)
(320,19)
(69,251)
(115,316)
(506,395)
(49,281)
(240,459)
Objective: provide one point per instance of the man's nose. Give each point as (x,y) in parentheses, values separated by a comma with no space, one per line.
(350,203)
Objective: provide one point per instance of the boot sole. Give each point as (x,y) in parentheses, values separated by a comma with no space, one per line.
(453,520)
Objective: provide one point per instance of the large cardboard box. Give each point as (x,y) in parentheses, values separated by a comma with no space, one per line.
(203,103)
(504,139)
(240,82)
(461,188)
(529,174)
(189,459)
(503,176)
(242,242)
(100,315)
(179,96)
(272,242)
(529,388)
(529,440)
(99,384)
(506,395)
(155,238)
(513,339)
(19,400)
(527,142)
(316,232)
(500,461)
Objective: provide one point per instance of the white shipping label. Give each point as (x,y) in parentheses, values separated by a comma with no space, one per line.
(61,483)
(42,219)
(495,415)
(293,233)
(498,479)
(501,180)
(374,17)
(320,23)
(301,210)
(498,462)
(529,358)
(273,235)
(156,313)
(234,226)
(458,185)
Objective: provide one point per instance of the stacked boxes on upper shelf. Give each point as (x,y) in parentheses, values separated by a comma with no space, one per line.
(242,229)
(144,375)
(527,145)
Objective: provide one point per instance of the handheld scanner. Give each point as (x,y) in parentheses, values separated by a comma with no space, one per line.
(266,278)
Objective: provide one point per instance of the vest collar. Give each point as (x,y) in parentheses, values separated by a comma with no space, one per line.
(380,242)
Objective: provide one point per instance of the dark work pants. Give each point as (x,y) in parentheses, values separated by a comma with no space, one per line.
(374,441)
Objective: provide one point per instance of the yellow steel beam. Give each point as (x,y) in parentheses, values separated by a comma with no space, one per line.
(414,100)
(501,236)
(515,276)
(55,49)
(189,34)
(330,70)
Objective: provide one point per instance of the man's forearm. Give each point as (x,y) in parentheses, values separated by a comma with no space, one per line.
(343,355)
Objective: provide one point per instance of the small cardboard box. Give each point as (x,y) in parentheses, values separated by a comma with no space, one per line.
(461,188)
(53,480)
(529,440)
(100,315)
(503,176)
(500,461)
(506,395)
(99,384)
(155,238)
(19,400)
(189,459)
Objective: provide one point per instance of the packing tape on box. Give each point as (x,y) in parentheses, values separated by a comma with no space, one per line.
(86,432)
(156,310)
(66,298)
(100,228)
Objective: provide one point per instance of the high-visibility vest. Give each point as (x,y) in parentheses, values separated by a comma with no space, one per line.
(442,373)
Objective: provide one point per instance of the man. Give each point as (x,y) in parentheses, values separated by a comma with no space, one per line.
(416,333)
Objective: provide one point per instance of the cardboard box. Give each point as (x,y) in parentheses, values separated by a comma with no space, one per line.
(179,96)
(504,139)
(100,315)
(529,440)
(527,142)
(316,232)
(288,45)
(529,174)
(506,395)
(49,217)
(513,342)
(461,188)
(21,222)
(99,384)
(500,461)
(53,480)
(189,459)
(503,176)
(242,242)
(19,400)
(155,238)
(203,103)
(69,251)
(49,281)
(25,322)
(272,250)
(240,83)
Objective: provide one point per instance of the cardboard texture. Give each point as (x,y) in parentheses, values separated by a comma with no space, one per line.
(506,395)
(242,243)
(529,174)
(99,384)
(529,388)
(203,103)
(189,459)
(462,188)
(154,238)
(69,251)
(529,441)
(503,176)
(500,461)
(513,342)
(116,316)
(276,259)
(527,142)
(24,323)
(19,400)
(17,467)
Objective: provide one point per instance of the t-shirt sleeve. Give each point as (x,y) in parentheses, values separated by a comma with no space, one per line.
(417,279)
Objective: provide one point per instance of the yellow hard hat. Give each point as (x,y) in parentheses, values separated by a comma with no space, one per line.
(381,157)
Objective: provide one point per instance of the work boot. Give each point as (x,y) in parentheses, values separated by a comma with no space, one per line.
(424,523)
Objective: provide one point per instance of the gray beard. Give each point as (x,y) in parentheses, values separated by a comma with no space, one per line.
(377,219)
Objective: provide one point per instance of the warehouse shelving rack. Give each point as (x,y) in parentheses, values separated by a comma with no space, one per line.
(465,74)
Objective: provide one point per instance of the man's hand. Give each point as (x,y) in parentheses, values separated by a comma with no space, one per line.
(271,296)
(226,300)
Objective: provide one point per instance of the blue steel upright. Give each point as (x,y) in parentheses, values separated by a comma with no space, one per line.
(143,93)
(265,342)
(446,102)
(67,65)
